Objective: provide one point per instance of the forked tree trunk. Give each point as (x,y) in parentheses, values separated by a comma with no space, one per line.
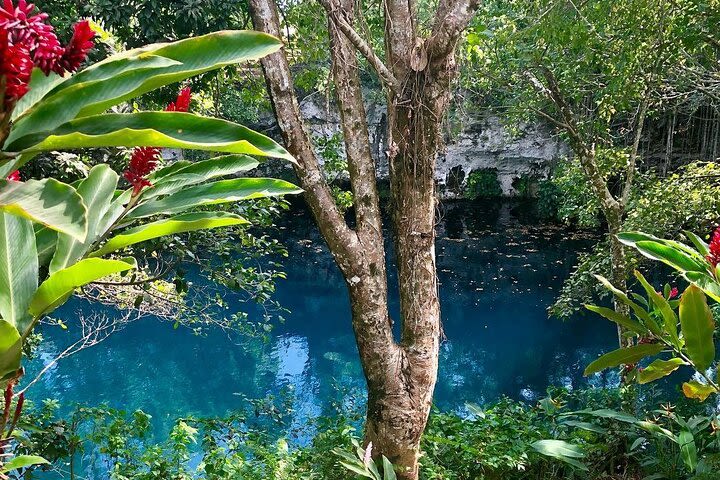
(400,375)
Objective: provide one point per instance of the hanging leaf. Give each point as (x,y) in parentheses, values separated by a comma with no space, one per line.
(49,202)
(622,320)
(659,369)
(698,327)
(670,320)
(61,284)
(623,356)
(97,192)
(151,129)
(22,461)
(216,192)
(182,223)
(18,268)
(697,390)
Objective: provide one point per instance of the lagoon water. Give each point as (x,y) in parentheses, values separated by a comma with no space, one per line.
(498,270)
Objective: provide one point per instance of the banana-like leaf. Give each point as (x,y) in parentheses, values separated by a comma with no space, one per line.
(702,247)
(222,191)
(561,450)
(45,241)
(152,129)
(132,73)
(10,349)
(40,84)
(61,284)
(688,449)
(670,320)
(97,192)
(22,461)
(200,172)
(706,283)
(49,202)
(674,257)
(659,369)
(698,327)
(623,356)
(18,268)
(182,223)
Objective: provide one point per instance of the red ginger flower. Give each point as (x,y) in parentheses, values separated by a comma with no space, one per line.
(31,31)
(142,162)
(15,68)
(14,176)
(78,48)
(714,254)
(182,104)
(674,292)
(145,159)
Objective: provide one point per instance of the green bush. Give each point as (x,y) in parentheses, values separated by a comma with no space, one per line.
(483,183)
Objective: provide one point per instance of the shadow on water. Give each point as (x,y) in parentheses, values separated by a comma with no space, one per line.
(498,272)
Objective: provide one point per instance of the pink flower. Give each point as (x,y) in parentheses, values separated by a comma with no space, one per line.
(674,292)
(14,176)
(714,254)
(32,32)
(182,104)
(142,162)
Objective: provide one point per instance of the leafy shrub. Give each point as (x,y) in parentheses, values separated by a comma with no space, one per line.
(483,183)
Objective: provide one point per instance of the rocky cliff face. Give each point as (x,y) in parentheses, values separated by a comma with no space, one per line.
(484,145)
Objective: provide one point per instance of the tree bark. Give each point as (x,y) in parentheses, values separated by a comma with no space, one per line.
(400,375)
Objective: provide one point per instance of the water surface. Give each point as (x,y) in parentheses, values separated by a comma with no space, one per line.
(498,274)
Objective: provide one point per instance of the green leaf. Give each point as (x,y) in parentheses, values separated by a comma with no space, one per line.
(152,129)
(697,390)
(222,191)
(182,223)
(561,450)
(659,369)
(129,74)
(22,461)
(40,85)
(670,320)
(705,282)
(620,319)
(97,193)
(590,427)
(674,257)
(61,284)
(388,471)
(49,202)
(702,247)
(10,349)
(698,327)
(45,240)
(640,312)
(623,356)
(199,172)
(688,449)
(18,269)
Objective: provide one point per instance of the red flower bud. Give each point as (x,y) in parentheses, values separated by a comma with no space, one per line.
(714,248)
(14,176)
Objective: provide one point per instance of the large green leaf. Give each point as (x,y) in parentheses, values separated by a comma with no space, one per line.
(49,202)
(676,258)
(152,129)
(620,319)
(659,369)
(623,356)
(40,85)
(688,449)
(129,74)
(561,450)
(199,172)
(97,192)
(670,320)
(697,390)
(22,461)
(698,327)
(706,283)
(18,268)
(61,284)
(10,349)
(217,192)
(639,311)
(182,223)
(45,241)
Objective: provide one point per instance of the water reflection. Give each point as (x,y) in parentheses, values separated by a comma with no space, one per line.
(498,275)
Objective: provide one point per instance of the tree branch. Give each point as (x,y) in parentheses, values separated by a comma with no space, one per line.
(451,20)
(337,16)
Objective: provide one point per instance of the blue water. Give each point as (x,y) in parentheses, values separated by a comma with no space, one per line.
(498,275)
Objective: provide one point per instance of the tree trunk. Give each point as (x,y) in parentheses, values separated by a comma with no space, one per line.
(400,375)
